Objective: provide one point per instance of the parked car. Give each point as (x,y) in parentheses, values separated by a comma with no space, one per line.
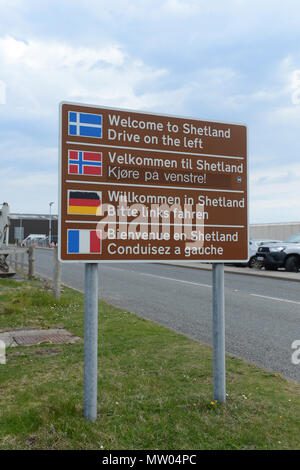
(254,245)
(284,254)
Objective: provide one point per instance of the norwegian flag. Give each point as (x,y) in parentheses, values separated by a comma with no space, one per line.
(84,163)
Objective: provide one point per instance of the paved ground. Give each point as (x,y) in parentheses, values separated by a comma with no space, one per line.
(262,313)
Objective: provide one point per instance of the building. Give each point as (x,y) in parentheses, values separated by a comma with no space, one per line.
(22,225)
(278,231)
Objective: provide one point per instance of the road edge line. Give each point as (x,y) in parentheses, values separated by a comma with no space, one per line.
(280,278)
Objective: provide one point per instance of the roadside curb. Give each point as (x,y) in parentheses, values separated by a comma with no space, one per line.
(228,269)
(231,270)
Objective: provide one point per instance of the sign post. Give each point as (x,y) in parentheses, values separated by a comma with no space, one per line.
(91,342)
(141,187)
(219,391)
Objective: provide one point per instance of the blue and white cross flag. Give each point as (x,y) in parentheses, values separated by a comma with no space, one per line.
(85,124)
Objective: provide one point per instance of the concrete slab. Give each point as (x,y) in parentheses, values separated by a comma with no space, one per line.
(8,274)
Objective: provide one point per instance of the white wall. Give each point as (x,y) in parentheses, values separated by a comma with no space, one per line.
(277,231)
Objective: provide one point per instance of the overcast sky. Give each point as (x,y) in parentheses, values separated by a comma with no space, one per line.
(224,60)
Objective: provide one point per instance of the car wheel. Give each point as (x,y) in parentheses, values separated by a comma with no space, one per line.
(252,262)
(256,264)
(292,264)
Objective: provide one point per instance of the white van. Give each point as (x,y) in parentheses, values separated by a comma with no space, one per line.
(33,238)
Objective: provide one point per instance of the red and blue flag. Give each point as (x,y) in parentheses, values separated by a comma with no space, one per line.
(84,163)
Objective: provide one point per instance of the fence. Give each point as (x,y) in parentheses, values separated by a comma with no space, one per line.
(17,261)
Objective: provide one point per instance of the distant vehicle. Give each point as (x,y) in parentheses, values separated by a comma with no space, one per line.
(254,244)
(33,238)
(285,254)
(54,240)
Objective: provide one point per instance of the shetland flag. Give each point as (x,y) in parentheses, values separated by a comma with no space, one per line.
(84,241)
(84,163)
(84,202)
(85,124)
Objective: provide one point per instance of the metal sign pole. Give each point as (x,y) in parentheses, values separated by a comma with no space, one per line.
(219,333)
(91,341)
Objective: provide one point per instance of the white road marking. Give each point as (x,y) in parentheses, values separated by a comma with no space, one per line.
(206,285)
(275,298)
(163,277)
(176,280)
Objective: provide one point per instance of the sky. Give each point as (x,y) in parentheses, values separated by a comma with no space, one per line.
(235,61)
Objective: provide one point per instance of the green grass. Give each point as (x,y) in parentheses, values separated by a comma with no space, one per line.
(155,386)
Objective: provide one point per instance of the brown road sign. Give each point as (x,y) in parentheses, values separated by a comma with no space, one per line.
(148,187)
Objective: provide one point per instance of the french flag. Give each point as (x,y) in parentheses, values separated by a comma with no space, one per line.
(84,241)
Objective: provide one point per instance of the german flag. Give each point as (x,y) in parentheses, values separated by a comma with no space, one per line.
(84,203)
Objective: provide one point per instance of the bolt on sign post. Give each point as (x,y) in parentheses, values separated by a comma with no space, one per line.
(145,187)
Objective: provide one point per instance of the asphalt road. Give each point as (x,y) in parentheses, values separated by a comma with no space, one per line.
(262,315)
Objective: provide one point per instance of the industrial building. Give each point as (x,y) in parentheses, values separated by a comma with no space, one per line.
(22,225)
(276,231)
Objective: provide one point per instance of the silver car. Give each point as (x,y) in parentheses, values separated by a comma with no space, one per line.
(254,244)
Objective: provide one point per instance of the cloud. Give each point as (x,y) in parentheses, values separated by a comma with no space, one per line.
(38,75)
(38,72)
(275,194)
(183,7)
(233,61)
(283,96)
(36,54)
(29,192)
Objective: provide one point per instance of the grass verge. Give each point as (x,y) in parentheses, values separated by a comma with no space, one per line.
(155,386)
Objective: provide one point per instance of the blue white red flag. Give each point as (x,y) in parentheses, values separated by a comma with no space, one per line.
(84,163)
(84,241)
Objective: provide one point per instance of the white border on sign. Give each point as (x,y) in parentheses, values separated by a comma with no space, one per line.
(151,114)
